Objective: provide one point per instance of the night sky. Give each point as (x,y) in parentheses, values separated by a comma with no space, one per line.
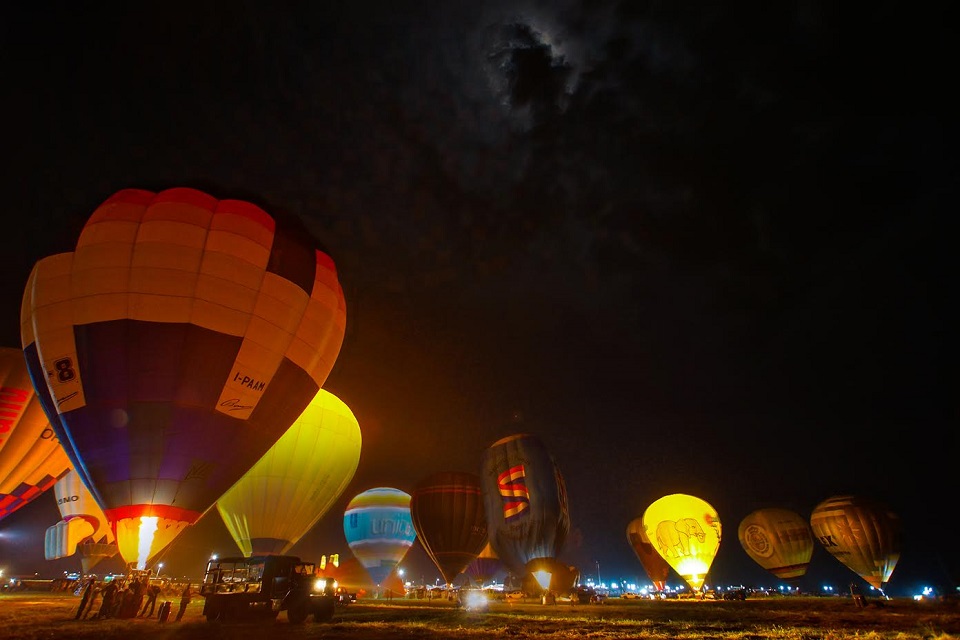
(694,248)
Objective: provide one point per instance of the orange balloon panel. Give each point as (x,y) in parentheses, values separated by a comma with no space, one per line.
(779,540)
(31,458)
(861,533)
(685,530)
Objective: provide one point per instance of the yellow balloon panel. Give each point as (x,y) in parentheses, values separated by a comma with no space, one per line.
(685,531)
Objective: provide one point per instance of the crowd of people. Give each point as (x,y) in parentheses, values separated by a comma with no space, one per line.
(127,598)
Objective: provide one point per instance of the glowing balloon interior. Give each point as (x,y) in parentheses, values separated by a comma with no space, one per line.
(862,533)
(686,532)
(173,347)
(296,482)
(379,530)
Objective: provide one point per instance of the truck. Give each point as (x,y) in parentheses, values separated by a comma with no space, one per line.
(261,586)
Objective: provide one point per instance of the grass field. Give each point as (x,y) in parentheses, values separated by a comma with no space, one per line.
(43,615)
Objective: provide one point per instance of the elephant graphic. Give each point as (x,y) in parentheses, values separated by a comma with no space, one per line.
(673,538)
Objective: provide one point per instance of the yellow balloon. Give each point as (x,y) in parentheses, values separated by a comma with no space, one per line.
(296,482)
(685,531)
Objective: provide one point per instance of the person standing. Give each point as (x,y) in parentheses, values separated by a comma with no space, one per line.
(87,594)
(152,592)
(109,597)
(184,601)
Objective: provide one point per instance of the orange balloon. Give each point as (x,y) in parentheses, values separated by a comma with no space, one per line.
(173,347)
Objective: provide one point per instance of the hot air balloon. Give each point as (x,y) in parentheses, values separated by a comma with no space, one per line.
(525,501)
(685,530)
(296,482)
(379,530)
(31,458)
(174,347)
(860,532)
(658,569)
(83,528)
(779,540)
(447,513)
(485,566)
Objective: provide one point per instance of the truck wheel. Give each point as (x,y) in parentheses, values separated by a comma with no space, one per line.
(323,611)
(297,613)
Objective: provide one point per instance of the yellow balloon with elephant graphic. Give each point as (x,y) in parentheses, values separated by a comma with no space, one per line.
(685,530)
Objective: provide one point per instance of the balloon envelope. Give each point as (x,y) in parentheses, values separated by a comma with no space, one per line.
(525,501)
(31,458)
(448,516)
(485,566)
(296,482)
(685,530)
(658,569)
(862,533)
(379,529)
(174,347)
(779,540)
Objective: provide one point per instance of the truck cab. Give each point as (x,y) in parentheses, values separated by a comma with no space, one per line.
(260,587)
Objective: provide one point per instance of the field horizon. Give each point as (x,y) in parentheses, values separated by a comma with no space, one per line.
(44,615)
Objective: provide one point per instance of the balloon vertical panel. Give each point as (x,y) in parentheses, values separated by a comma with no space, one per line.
(31,458)
(525,501)
(173,348)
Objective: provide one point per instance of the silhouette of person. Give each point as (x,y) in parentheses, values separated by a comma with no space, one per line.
(109,597)
(87,594)
(184,601)
(152,592)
